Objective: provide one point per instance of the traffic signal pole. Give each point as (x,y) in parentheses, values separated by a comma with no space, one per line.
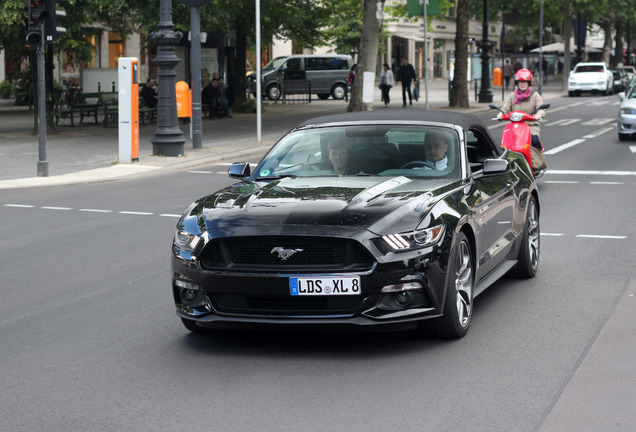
(43,164)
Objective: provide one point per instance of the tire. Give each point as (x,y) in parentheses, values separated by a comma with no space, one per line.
(528,258)
(458,303)
(191,325)
(623,137)
(323,96)
(273,93)
(571,94)
(338,91)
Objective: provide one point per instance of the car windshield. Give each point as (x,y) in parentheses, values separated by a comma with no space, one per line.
(275,63)
(589,68)
(369,150)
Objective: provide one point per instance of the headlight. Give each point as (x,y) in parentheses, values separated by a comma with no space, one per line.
(628,110)
(185,241)
(516,117)
(417,238)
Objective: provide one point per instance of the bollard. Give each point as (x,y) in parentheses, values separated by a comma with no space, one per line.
(184,99)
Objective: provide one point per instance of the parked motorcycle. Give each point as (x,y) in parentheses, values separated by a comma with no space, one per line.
(516,134)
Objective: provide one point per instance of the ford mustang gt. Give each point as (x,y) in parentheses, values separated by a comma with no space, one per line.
(395,219)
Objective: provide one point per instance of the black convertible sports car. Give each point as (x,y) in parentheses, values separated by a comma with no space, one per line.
(373,218)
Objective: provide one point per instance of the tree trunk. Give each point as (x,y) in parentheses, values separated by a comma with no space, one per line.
(367,60)
(608,27)
(459,92)
(620,30)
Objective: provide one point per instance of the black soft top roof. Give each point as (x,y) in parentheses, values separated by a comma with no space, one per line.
(466,121)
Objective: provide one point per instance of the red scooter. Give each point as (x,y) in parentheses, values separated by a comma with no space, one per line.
(516,134)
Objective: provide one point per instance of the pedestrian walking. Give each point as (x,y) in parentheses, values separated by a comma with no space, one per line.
(507,73)
(386,83)
(407,74)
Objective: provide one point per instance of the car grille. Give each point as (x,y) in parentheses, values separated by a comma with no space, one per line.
(285,305)
(310,254)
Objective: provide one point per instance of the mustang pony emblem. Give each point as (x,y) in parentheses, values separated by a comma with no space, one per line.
(285,253)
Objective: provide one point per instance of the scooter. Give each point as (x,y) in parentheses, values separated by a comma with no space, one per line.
(516,134)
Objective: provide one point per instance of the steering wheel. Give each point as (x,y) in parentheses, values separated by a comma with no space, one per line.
(417,164)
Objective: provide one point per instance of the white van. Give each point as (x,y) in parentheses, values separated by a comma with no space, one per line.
(328,74)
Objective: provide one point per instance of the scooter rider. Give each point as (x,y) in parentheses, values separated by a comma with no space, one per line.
(525,99)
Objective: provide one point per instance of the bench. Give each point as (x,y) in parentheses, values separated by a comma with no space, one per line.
(146,113)
(87,104)
(109,104)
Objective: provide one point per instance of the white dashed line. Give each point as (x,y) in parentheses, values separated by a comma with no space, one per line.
(19,205)
(95,211)
(561,182)
(200,172)
(593,236)
(136,213)
(170,215)
(552,234)
(607,183)
(57,208)
(564,146)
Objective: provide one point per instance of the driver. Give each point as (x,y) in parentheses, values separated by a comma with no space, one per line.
(339,157)
(435,148)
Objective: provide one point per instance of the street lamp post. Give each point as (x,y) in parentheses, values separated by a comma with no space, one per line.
(168,139)
(485,93)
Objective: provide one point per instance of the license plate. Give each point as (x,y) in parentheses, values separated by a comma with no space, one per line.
(329,285)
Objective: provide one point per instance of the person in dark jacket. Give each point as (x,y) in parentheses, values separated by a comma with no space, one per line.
(149,93)
(407,75)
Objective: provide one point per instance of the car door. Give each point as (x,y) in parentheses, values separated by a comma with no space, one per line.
(493,206)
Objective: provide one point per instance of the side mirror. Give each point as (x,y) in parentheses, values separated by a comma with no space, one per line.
(239,170)
(495,166)
(621,96)
(544,106)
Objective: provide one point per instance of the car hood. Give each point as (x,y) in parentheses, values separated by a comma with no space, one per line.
(379,204)
(589,77)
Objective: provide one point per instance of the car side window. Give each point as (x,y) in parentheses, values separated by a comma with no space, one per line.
(479,148)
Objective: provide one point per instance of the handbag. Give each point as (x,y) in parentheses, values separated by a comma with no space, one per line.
(538,160)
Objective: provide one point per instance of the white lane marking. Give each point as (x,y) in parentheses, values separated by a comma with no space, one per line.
(19,205)
(95,211)
(599,121)
(170,215)
(200,172)
(552,110)
(57,208)
(552,234)
(594,236)
(563,122)
(561,182)
(607,183)
(592,172)
(135,213)
(577,104)
(632,149)
(599,133)
(495,126)
(564,146)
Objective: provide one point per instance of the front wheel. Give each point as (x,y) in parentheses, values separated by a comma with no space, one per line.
(528,258)
(458,304)
(273,92)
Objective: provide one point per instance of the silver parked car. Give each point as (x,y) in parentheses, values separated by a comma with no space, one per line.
(627,115)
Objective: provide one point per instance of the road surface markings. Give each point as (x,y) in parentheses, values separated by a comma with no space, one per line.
(57,208)
(607,183)
(592,172)
(170,215)
(609,237)
(632,149)
(561,182)
(564,146)
(200,172)
(552,234)
(19,205)
(136,213)
(95,211)
(599,122)
(599,133)
(563,122)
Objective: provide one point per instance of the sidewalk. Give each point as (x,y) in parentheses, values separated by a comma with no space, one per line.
(89,152)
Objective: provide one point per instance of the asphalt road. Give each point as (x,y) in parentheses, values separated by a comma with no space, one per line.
(90,341)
